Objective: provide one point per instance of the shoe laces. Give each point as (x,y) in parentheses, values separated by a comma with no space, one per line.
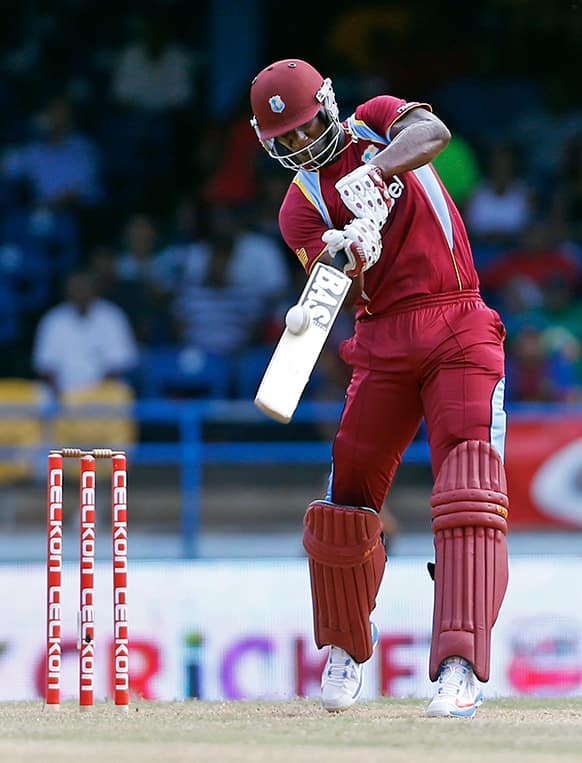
(454,675)
(340,666)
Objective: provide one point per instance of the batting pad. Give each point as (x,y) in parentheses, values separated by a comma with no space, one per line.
(469,520)
(346,565)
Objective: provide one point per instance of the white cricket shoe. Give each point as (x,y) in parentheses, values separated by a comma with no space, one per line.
(342,678)
(458,693)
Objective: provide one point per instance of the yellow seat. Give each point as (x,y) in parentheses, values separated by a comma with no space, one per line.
(96,417)
(21,428)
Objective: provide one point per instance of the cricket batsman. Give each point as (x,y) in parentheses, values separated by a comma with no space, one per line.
(365,197)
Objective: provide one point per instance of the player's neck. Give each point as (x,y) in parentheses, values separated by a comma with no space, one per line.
(345,140)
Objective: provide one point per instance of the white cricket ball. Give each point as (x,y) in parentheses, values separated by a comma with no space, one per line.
(298,319)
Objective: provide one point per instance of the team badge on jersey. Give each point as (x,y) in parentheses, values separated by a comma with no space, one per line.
(370,151)
(276,103)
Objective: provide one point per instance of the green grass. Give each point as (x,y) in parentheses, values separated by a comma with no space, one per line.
(503,731)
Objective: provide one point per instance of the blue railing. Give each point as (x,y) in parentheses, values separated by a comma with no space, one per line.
(191,452)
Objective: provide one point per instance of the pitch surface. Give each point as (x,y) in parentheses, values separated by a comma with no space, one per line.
(504,731)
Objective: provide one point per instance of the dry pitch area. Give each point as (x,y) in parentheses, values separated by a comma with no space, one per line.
(504,731)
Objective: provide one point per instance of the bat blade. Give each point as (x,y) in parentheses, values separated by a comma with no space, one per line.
(296,355)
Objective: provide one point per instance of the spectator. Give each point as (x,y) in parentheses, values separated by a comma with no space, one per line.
(102,263)
(185,221)
(540,255)
(544,338)
(153,72)
(144,302)
(256,261)
(183,239)
(153,86)
(562,304)
(84,340)
(538,371)
(60,172)
(519,300)
(140,240)
(143,290)
(233,180)
(217,315)
(229,285)
(501,206)
(563,310)
(61,167)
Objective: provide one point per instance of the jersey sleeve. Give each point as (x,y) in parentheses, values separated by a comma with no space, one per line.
(381,112)
(302,227)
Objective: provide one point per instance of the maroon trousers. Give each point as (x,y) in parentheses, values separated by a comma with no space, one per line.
(441,359)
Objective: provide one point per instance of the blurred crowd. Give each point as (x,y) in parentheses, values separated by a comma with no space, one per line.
(138,232)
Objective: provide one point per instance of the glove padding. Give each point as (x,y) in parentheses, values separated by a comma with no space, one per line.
(361,242)
(365,194)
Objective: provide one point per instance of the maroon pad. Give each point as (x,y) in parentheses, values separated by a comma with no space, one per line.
(346,565)
(469,520)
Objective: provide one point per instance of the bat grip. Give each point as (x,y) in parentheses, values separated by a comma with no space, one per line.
(339,260)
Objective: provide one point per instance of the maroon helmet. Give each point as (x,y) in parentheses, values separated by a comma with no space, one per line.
(286,95)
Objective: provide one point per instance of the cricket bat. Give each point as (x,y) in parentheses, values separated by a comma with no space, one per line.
(308,326)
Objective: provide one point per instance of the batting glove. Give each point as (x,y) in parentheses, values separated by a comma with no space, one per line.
(361,243)
(365,193)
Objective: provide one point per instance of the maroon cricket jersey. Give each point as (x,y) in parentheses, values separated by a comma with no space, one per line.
(425,248)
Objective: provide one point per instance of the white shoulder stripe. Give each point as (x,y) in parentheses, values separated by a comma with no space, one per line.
(437,199)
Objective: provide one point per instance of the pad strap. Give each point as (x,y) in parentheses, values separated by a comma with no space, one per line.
(469,509)
(346,565)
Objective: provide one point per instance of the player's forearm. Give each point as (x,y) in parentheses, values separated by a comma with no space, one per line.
(416,145)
